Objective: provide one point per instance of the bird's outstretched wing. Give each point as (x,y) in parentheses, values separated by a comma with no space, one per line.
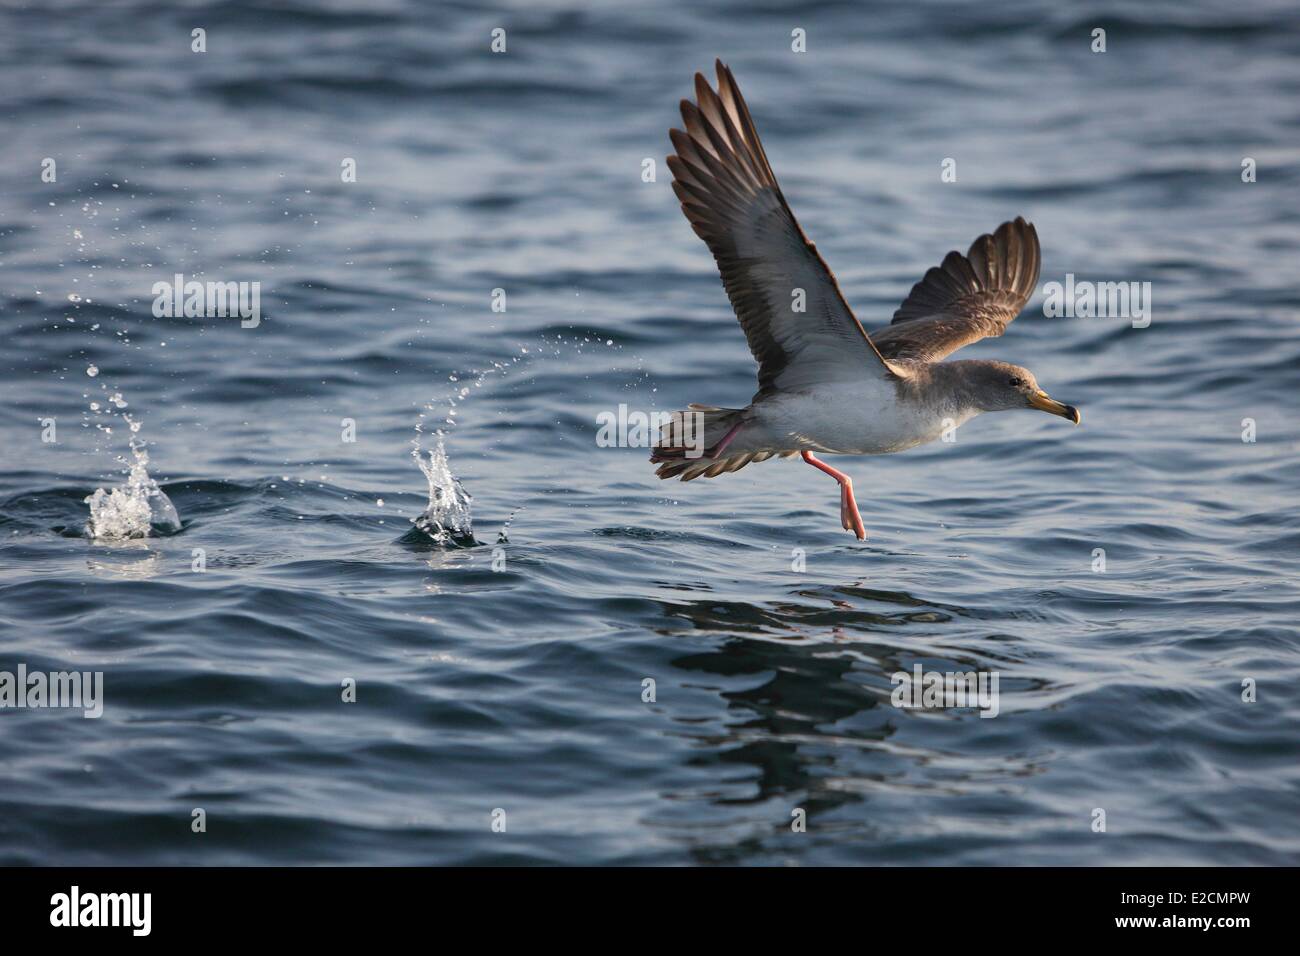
(769,268)
(966,298)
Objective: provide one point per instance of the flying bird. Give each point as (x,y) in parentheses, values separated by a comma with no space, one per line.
(824,385)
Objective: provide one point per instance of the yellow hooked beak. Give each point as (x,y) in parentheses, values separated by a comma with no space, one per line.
(1041,400)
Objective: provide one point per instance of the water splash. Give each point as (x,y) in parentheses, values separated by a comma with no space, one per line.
(138,507)
(446,519)
(134,509)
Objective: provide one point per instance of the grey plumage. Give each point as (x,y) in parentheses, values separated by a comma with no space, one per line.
(825,385)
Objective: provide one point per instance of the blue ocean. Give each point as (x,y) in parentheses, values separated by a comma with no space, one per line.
(362,581)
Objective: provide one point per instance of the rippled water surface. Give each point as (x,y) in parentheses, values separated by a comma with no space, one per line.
(507,673)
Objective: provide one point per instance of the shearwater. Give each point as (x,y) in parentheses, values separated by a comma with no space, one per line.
(824,384)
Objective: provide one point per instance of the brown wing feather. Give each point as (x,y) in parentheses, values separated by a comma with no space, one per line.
(733,202)
(965,298)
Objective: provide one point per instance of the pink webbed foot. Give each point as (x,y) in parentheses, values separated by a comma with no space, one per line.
(849,516)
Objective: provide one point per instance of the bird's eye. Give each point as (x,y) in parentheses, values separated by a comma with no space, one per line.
(1016,382)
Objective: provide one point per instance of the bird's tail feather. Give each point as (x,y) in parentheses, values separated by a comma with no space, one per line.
(690,434)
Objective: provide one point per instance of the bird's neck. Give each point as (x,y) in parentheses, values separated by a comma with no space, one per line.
(950,388)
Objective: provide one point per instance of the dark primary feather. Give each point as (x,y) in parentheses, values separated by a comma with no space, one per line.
(966,298)
(732,201)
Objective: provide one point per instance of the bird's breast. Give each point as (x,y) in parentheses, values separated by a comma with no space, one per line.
(864,418)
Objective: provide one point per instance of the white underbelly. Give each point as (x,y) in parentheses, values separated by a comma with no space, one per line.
(864,418)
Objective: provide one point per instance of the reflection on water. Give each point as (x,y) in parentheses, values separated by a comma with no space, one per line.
(799,692)
(816,667)
(814,721)
(138,569)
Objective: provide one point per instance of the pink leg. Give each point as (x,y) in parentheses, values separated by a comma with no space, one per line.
(849,516)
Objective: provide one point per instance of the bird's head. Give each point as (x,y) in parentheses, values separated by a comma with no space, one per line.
(999,386)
